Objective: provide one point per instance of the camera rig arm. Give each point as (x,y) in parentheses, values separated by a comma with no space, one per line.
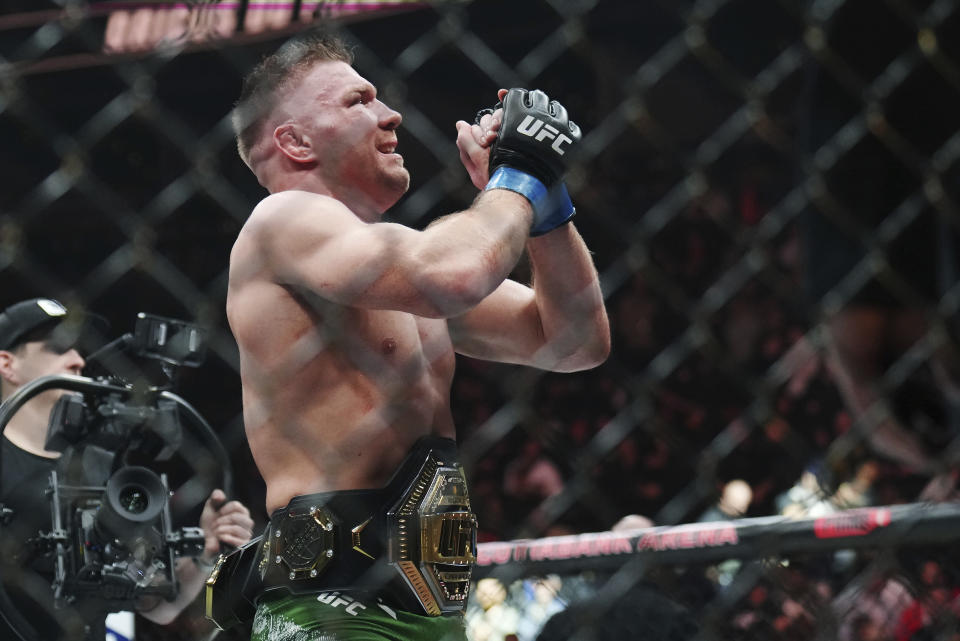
(61,381)
(83,384)
(209,438)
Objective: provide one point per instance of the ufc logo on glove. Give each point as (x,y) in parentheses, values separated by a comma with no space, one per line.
(520,162)
(531,125)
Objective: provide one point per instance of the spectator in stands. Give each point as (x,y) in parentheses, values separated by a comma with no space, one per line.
(632,522)
(542,602)
(858,491)
(807,497)
(935,607)
(877,293)
(873,609)
(734,501)
(490,617)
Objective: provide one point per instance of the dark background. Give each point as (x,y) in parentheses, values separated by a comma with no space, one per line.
(709,129)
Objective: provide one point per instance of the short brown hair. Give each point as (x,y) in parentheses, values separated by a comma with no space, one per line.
(261,87)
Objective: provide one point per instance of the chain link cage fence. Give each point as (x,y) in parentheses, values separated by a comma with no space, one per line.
(769,189)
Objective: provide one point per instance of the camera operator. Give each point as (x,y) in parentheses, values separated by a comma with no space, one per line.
(37,339)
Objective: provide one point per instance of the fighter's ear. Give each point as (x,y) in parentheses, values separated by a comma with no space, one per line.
(293,143)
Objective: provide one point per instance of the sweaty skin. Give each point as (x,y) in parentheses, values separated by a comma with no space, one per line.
(334,398)
(347,327)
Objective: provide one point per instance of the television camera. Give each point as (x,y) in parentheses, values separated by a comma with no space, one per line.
(111,538)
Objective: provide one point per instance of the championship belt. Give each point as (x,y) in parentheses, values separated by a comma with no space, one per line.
(418,549)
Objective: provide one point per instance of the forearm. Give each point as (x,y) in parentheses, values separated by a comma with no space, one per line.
(576,332)
(191,578)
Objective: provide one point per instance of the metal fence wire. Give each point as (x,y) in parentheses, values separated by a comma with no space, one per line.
(769,189)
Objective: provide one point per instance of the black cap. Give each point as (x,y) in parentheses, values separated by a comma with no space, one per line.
(68,329)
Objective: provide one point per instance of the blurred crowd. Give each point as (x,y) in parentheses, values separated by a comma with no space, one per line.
(762,416)
(637,438)
(845,596)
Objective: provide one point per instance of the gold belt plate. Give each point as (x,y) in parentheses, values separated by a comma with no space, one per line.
(434,537)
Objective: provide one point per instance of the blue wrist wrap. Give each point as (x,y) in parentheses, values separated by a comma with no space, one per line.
(551,208)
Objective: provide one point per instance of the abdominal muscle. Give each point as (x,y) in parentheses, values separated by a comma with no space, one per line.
(334,397)
(354,434)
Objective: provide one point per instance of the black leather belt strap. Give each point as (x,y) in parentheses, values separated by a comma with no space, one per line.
(329,541)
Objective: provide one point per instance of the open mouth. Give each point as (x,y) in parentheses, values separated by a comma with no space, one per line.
(387,148)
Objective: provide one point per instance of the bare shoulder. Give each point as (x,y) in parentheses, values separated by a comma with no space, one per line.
(312,243)
(291,209)
(285,221)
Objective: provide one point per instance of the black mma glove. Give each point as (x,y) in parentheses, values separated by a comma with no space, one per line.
(529,155)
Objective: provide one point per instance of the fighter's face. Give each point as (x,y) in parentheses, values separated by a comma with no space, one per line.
(353,135)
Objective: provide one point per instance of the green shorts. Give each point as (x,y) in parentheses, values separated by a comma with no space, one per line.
(332,616)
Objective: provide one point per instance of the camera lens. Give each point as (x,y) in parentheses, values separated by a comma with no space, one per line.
(132,503)
(134,499)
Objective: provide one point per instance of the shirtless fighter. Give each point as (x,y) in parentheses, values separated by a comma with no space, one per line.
(348,326)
